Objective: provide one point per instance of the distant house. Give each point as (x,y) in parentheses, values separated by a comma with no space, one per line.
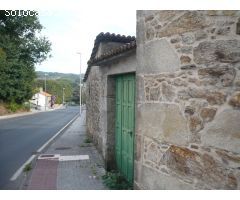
(41,100)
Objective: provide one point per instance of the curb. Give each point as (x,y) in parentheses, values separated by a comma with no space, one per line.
(42,148)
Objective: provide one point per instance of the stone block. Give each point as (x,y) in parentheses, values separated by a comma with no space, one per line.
(223,12)
(229,158)
(157,56)
(153,180)
(223,31)
(154,94)
(183,161)
(138,147)
(167,15)
(195,124)
(185,59)
(179,82)
(223,51)
(187,67)
(200,35)
(224,131)
(140,34)
(189,21)
(175,40)
(152,153)
(216,71)
(235,100)
(168,92)
(150,33)
(207,114)
(149,18)
(140,93)
(223,74)
(185,49)
(188,38)
(213,97)
(203,168)
(163,122)
(190,110)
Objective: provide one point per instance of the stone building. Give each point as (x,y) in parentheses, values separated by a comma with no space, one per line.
(164,108)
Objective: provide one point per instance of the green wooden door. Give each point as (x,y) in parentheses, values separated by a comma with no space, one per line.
(125,122)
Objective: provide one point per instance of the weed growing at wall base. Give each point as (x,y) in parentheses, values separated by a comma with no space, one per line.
(115,181)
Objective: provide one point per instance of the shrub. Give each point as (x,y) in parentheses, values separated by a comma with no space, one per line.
(114,180)
(13,107)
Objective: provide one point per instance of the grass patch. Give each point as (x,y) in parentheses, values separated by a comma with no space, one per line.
(27,167)
(87,140)
(14,107)
(115,181)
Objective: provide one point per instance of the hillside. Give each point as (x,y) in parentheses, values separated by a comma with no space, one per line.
(57,75)
(55,83)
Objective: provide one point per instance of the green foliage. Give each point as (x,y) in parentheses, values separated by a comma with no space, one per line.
(59,80)
(20,48)
(27,167)
(13,107)
(55,87)
(114,180)
(87,140)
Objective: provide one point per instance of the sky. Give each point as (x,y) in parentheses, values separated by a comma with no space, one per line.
(72,25)
(74,31)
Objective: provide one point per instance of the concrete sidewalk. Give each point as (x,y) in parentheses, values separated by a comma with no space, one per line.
(71,162)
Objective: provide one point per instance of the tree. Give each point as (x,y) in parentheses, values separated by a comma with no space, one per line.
(21,47)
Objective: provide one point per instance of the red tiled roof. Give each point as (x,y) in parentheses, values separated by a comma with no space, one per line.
(46,94)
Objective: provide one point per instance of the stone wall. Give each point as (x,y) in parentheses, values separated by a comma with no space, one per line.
(100,104)
(93,101)
(188,100)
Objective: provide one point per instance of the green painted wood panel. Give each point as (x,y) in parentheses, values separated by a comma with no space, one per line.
(125,124)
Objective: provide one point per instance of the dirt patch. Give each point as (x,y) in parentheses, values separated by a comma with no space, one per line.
(3,110)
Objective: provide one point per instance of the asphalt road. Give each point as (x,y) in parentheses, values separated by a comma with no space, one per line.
(21,136)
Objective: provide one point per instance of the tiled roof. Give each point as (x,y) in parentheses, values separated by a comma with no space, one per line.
(114,52)
(108,37)
(45,94)
(128,43)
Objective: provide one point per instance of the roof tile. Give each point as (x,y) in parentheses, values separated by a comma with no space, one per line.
(129,43)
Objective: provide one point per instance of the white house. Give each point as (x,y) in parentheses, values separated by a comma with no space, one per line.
(41,100)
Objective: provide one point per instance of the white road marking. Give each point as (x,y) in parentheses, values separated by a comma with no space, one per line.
(19,171)
(75,157)
(63,158)
(49,157)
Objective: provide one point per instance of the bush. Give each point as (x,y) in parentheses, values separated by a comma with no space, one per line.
(13,107)
(27,167)
(114,180)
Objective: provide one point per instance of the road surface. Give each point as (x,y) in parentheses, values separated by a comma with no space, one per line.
(21,136)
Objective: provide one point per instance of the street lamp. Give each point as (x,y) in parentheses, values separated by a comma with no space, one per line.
(63,96)
(45,88)
(80,92)
(45,91)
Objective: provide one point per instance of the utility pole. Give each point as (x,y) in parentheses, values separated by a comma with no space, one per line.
(80,92)
(63,96)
